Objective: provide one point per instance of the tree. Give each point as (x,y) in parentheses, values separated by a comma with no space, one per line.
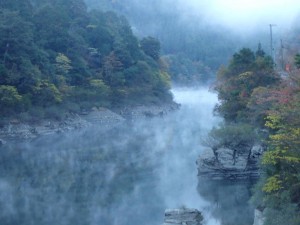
(297,60)
(16,38)
(63,64)
(236,83)
(242,61)
(55,51)
(280,185)
(260,52)
(151,47)
(10,99)
(23,7)
(9,96)
(46,94)
(112,64)
(52,25)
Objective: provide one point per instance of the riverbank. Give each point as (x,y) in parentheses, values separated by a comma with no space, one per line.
(15,130)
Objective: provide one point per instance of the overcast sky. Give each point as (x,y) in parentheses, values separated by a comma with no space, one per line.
(245,14)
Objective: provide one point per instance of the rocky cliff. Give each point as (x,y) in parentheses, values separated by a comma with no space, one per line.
(224,164)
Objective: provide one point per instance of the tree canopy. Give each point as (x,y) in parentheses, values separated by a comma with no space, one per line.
(56,53)
(251,92)
(235,84)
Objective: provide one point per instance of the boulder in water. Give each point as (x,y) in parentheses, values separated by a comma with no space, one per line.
(183,217)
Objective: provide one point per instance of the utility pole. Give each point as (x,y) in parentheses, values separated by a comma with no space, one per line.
(271,42)
(282,59)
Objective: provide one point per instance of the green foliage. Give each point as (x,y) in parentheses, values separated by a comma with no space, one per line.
(46,94)
(250,91)
(164,80)
(297,60)
(233,135)
(63,64)
(288,214)
(260,52)
(9,98)
(242,61)
(281,162)
(273,184)
(237,83)
(151,47)
(236,137)
(54,55)
(273,121)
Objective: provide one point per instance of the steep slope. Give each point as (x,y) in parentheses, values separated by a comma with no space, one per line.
(57,57)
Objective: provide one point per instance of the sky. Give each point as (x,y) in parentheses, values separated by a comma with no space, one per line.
(246,14)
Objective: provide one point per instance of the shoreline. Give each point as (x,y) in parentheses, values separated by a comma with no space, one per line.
(105,118)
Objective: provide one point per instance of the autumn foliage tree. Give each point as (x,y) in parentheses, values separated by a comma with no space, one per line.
(282,160)
(279,188)
(251,92)
(236,83)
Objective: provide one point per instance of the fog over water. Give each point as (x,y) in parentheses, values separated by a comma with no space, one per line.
(124,176)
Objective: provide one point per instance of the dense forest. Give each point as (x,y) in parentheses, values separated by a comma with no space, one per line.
(261,106)
(57,57)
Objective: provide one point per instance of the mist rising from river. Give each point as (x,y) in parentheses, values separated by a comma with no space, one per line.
(127,175)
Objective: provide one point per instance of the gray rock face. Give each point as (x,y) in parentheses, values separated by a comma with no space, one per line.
(183,217)
(25,131)
(103,116)
(259,218)
(142,111)
(99,117)
(225,166)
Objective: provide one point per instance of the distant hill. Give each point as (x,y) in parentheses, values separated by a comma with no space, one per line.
(193,47)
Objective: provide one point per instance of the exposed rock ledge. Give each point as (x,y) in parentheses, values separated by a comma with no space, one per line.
(101,117)
(244,166)
(259,218)
(183,217)
(146,111)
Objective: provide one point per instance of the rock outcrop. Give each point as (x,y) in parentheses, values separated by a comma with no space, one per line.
(146,111)
(259,218)
(225,165)
(26,131)
(183,217)
(15,130)
(102,117)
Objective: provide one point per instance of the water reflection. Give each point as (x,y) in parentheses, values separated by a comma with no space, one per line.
(229,200)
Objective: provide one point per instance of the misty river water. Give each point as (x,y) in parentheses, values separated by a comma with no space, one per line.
(127,175)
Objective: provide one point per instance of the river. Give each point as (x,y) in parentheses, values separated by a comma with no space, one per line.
(127,175)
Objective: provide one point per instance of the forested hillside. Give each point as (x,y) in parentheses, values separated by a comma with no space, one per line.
(261,106)
(193,46)
(57,57)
